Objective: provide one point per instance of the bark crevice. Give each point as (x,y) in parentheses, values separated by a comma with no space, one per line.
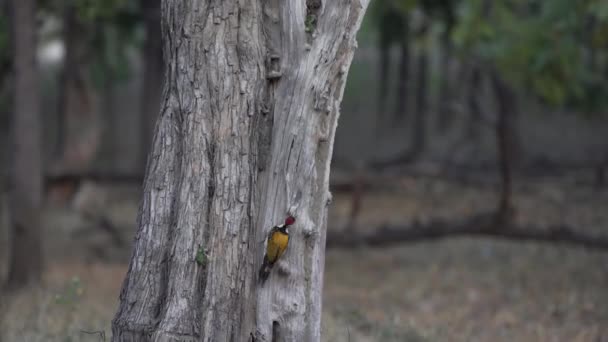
(276,333)
(272,25)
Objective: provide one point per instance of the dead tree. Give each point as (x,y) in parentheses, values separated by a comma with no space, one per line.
(244,137)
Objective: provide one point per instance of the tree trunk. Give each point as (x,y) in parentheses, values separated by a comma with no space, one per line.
(25,193)
(402,82)
(418,137)
(393,28)
(444,108)
(79,126)
(244,138)
(111,136)
(6,91)
(504,141)
(383,80)
(153,75)
(473,98)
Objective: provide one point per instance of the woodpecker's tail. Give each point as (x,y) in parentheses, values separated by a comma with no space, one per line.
(265,269)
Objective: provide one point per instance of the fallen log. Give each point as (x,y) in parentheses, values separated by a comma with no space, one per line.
(489,225)
(109,177)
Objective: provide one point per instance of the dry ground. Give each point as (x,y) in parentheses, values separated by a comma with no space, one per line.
(452,290)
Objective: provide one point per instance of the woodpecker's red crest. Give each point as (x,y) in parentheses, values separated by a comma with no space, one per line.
(290,220)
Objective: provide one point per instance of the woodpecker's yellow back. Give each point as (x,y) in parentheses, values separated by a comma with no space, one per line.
(277,244)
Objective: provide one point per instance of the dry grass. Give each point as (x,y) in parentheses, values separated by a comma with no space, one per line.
(76,298)
(463,290)
(472,290)
(452,290)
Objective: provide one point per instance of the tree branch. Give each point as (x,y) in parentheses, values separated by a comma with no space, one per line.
(76,177)
(483,225)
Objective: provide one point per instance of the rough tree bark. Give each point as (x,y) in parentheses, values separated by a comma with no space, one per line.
(25,193)
(245,135)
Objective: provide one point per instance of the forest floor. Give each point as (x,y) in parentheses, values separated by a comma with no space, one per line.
(461,289)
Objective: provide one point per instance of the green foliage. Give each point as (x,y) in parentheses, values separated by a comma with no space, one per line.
(554,50)
(115,29)
(111,43)
(201,256)
(94,10)
(543,47)
(599,9)
(71,294)
(310,23)
(111,29)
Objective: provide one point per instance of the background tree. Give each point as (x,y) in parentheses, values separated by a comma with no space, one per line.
(393,29)
(25,266)
(245,135)
(153,74)
(79,125)
(97,37)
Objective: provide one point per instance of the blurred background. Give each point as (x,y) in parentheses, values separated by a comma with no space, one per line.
(468,179)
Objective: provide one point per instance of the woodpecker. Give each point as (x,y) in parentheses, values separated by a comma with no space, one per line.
(278,239)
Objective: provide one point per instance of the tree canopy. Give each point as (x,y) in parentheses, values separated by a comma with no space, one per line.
(555,50)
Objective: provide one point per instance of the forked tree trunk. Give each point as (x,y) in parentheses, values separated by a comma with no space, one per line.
(245,136)
(25,194)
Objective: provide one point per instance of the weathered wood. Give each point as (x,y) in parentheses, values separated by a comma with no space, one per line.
(249,111)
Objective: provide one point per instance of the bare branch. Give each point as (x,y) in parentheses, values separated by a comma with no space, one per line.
(483,225)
